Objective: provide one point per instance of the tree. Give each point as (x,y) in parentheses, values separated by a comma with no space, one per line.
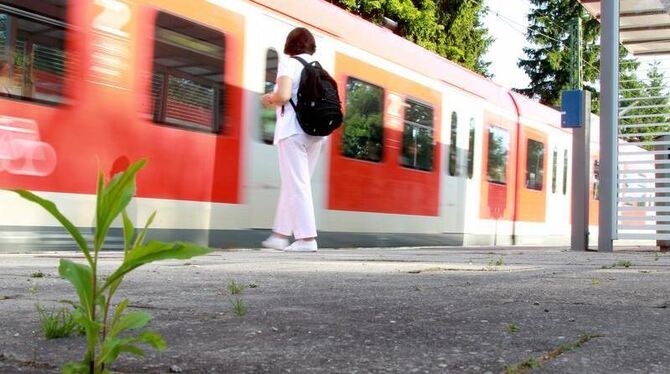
(467,41)
(450,28)
(548,66)
(547,61)
(548,56)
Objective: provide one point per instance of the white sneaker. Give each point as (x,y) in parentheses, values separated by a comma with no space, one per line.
(275,242)
(302,246)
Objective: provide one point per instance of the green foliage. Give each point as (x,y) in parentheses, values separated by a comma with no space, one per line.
(56,322)
(108,338)
(451,28)
(37,274)
(363,128)
(467,40)
(644,103)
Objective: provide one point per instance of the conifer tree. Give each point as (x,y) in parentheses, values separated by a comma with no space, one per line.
(644,103)
(547,61)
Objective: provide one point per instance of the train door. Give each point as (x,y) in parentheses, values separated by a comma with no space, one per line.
(456,119)
(265,41)
(558,203)
(266,36)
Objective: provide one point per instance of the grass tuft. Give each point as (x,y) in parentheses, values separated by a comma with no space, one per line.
(37,274)
(512,328)
(235,288)
(239,308)
(56,322)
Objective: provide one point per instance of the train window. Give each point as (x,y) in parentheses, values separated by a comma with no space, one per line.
(363,123)
(554,170)
(471,148)
(534,165)
(269,115)
(188,78)
(33,60)
(452,145)
(417,139)
(596,180)
(498,150)
(565,172)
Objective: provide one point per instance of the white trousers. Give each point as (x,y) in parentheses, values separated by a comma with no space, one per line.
(298,155)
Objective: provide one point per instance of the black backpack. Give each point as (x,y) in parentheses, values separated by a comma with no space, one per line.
(319,109)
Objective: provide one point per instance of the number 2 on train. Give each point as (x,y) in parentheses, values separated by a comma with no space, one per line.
(114,17)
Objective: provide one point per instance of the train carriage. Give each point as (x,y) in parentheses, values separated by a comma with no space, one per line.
(430,153)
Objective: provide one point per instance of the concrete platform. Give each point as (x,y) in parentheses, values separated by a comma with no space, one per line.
(401,310)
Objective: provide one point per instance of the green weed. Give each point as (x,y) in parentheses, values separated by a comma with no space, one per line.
(624,263)
(107,330)
(523,366)
(496,262)
(37,274)
(535,362)
(512,328)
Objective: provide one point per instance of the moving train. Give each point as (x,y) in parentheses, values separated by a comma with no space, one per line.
(430,153)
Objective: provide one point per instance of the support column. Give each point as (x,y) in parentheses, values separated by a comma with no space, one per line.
(609,120)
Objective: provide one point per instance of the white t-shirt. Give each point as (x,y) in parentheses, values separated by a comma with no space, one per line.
(287,123)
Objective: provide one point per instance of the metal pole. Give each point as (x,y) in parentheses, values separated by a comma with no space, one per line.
(576,54)
(581,150)
(609,119)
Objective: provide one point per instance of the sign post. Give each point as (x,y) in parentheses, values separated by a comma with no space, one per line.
(576,114)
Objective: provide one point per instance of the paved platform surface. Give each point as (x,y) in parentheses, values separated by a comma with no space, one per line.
(403,310)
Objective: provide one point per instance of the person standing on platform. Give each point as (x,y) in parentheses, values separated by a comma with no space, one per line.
(298,152)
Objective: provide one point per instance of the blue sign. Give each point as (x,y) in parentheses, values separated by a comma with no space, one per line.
(572,109)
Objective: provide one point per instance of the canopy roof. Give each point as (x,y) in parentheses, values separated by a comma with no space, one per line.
(644,27)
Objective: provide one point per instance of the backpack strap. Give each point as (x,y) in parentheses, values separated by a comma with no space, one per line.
(305,64)
(302,60)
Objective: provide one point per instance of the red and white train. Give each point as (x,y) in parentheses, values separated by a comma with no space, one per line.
(430,153)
